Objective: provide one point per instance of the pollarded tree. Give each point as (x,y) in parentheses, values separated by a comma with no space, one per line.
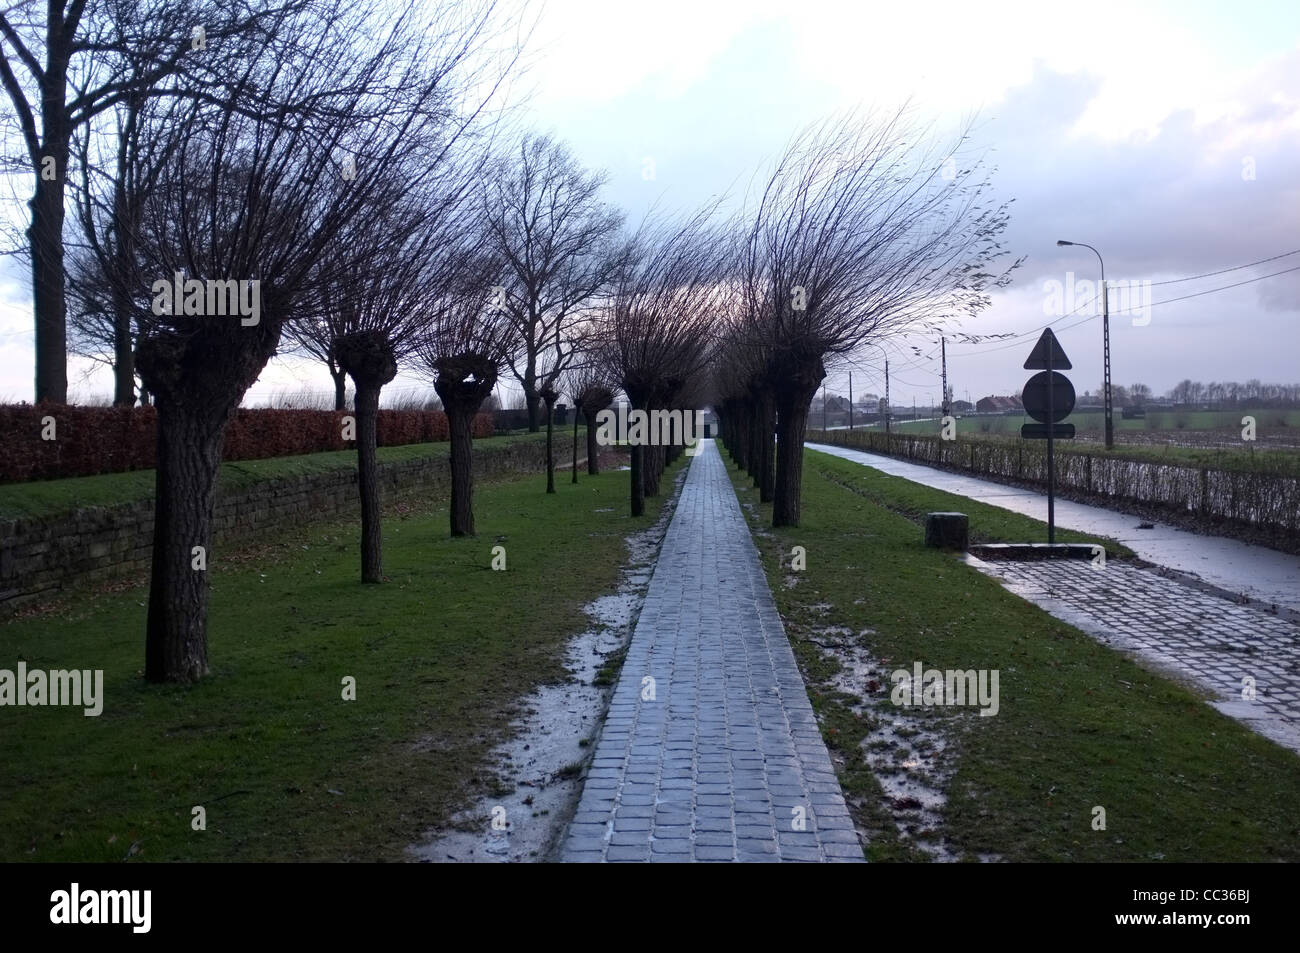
(742,381)
(549,391)
(561,245)
(592,390)
(251,203)
(656,329)
(465,342)
(382,277)
(858,234)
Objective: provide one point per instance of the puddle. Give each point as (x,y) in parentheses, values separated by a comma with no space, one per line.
(906,756)
(539,764)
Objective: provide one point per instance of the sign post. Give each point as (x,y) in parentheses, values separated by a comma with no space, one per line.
(1048,398)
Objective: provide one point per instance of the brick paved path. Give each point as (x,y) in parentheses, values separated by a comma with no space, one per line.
(1205,638)
(720,757)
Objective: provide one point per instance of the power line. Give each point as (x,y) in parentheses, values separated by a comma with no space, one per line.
(1015,338)
(1224,271)
(1154,304)
(1197,294)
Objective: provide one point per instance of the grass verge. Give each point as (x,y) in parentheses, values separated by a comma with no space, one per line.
(1245,458)
(1079,726)
(285,768)
(988,523)
(51,497)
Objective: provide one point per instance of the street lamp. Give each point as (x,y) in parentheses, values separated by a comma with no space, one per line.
(1105,344)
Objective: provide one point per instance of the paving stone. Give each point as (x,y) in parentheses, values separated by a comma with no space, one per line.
(1209,639)
(730,743)
(714,853)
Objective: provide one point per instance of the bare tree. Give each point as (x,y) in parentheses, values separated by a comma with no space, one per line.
(64,63)
(250,204)
(592,389)
(467,340)
(548,390)
(657,324)
(742,379)
(117,172)
(560,244)
(858,233)
(381,278)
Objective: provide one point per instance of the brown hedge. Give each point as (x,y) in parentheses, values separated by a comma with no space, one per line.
(93,440)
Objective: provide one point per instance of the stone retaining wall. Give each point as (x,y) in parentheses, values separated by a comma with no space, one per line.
(44,554)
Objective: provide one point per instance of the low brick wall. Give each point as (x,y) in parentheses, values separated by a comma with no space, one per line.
(42,555)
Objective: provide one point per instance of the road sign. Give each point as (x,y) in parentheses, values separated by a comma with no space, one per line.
(1036,398)
(1048,398)
(1040,431)
(1047,349)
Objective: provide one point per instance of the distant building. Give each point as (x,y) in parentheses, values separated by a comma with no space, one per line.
(998,405)
(962,406)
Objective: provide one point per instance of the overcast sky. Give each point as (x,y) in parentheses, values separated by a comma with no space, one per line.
(1167,135)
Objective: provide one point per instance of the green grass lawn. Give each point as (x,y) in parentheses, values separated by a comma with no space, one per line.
(1079,725)
(988,523)
(1247,458)
(1093,421)
(285,768)
(50,497)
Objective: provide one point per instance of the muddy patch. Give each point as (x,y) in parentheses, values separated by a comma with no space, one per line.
(906,749)
(540,768)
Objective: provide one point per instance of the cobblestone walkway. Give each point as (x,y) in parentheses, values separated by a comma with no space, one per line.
(710,751)
(1264,574)
(1200,636)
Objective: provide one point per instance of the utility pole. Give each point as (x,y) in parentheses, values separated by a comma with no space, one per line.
(1105,339)
(886,396)
(1105,345)
(850,400)
(943,344)
(823,406)
(914,406)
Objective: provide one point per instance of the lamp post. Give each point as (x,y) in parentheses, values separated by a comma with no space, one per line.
(1105,344)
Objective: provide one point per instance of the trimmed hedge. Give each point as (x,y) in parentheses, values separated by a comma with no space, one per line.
(93,440)
(1267,500)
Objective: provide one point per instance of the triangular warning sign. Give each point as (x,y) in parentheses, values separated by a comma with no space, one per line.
(1038,356)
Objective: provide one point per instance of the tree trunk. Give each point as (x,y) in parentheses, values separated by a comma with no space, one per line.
(738,435)
(189,455)
(575,445)
(593,458)
(48,294)
(459,421)
(638,479)
(372,543)
(550,447)
(791,423)
(340,388)
(766,452)
(123,353)
(653,467)
(463,382)
(122,234)
(533,403)
(45,234)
